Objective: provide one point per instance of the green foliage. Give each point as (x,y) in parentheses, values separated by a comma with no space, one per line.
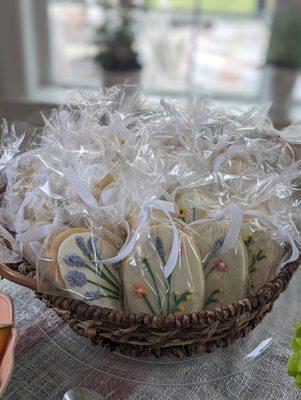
(219,6)
(294,362)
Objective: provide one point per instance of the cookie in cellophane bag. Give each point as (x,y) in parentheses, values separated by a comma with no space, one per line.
(264,248)
(226,274)
(146,289)
(72,263)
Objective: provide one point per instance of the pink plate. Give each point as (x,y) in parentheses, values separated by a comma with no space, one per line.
(7,359)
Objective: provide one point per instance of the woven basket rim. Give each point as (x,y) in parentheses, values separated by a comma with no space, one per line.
(250,303)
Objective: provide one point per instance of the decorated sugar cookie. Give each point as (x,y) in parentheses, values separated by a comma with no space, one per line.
(196,203)
(146,290)
(226,275)
(264,253)
(76,264)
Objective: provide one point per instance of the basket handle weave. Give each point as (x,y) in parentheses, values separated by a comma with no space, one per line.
(16,277)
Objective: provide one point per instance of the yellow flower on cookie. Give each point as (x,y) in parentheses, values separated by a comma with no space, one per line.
(181,308)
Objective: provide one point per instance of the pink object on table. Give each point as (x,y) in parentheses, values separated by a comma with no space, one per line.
(7,358)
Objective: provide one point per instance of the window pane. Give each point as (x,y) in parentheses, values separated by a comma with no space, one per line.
(229,54)
(204,46)
(72,47)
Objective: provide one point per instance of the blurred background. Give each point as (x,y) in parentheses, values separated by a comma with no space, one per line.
(236,52)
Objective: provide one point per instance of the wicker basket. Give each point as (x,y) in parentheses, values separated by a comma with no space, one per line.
(174,336)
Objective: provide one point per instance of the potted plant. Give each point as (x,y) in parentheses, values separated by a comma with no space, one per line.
(115,37)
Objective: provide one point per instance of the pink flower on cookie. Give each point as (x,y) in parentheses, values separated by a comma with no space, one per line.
(221,265)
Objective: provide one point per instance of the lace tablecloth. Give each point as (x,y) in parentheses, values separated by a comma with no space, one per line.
(46,370)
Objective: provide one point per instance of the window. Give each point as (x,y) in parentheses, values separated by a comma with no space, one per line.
(216,47)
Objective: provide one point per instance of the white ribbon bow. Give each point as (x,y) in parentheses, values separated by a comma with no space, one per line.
(167,207)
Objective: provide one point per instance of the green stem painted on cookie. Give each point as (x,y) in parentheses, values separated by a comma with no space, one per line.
(102,275)
(91,268)
(103,287)
(107,296)
(97,262)
(212,268)
(256,258)
(179,299)
(211,298)
(146,264)
(110,273)
(249,241)
(168,282)
(182,297)
(149,304)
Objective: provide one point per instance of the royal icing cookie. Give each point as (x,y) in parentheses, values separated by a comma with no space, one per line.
(196,203)
(264,253)
(146,290)
(76,264)
(226,275)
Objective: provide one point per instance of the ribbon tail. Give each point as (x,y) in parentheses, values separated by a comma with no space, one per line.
(174,253)
(172,260)
(295,252)
(128,247)
(234,229)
